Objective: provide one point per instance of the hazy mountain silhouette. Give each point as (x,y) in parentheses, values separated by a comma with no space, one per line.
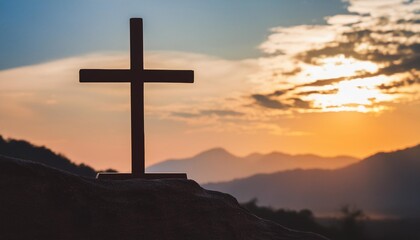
(219,165)
(25,150)
(384,184)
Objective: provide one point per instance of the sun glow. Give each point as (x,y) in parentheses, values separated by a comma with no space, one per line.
(351,96)
(336,67)
(346,84)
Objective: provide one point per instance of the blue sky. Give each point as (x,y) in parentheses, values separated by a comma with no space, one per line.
(38,31)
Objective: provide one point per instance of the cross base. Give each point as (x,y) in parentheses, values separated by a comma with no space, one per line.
(125,176)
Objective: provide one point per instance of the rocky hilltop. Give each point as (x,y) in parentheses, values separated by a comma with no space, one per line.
(40,202)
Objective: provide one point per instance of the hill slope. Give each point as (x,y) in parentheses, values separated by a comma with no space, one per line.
(25,150)
(382,184)
(219,165)
(44,203)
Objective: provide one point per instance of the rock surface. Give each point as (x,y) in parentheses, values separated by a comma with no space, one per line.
(39,202)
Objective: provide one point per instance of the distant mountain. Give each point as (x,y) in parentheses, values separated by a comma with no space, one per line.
(219,165)
(25,150)
(384,184)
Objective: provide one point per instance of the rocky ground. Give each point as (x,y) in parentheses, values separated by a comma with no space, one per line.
(39,202)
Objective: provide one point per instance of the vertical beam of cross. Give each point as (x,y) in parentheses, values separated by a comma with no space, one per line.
(137,100)
(136,76)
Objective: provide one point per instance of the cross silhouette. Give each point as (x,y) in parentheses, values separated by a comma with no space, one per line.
(137,76)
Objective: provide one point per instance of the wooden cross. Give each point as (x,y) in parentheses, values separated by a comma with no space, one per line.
(137,76)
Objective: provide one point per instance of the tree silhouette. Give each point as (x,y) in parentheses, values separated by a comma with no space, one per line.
(351,223)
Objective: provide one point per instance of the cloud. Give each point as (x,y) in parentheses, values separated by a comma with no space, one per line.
(267,102)
(332,91)
(400,83)
(299,103)
(323,82)
(50,95)
(278,93)
(361,55)
(206,113)
(292,103)
(214,78)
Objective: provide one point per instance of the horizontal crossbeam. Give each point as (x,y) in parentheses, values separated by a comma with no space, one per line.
(126,75)
(170,76)
(105,75)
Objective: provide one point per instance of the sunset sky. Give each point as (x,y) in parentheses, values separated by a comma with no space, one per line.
(327,77)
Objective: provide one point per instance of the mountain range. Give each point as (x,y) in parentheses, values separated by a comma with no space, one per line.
(383,185)
(218,164)
(213,165)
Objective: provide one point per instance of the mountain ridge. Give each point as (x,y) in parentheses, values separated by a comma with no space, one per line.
(382,184)
(228,166)
(23,149)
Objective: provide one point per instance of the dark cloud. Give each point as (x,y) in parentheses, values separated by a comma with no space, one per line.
(306,93)
(350,40)
(324,82)
(406,57)
(402,83)
(292,72)
(185,114)
(299,103)
(278,93)
(266,101)
(221,113)
(408,21)
(212,112)
(406,65)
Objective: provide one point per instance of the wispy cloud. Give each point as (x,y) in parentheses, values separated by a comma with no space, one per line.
(51,92)
(46,102)
(222,113)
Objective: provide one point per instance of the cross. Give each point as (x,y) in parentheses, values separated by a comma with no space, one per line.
(137,76)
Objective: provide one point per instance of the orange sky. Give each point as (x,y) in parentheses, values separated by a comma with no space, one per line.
(90,122)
